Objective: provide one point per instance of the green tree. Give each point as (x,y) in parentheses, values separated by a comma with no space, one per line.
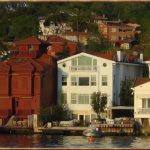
(126,96)
(4,53)
(52,113)
(24,26)
(98,104)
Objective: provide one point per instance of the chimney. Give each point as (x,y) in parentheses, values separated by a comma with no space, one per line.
(119,56)
(141,57)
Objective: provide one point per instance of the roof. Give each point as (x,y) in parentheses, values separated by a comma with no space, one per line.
(140,81)
(31,40)
(82,53)
(22,64)
(75,33)
(59,43)
(103,55)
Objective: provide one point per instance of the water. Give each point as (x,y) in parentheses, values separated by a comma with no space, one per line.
(60,141)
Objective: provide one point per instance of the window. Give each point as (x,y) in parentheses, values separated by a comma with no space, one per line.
(73,98)
(74,64)
(83,81)
(30,48)
(104,80)
(93,81)
(113,29)
(64,98)
(83,99)
(74,116)
(94,64)
(73,81)
(64,80)
(146,103)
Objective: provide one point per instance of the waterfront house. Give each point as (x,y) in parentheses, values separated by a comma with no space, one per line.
(27,80)
(82,74)
(142,99)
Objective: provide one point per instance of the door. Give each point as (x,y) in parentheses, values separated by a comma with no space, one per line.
(14,105)
(81,119)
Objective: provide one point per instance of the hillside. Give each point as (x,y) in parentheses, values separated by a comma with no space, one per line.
(19,20)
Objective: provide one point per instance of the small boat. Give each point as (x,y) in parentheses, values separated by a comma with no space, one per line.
(92,132)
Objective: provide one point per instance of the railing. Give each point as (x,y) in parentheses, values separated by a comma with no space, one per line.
(83,68)
(143,111)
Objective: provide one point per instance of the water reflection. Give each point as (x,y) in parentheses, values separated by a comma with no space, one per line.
(53,141)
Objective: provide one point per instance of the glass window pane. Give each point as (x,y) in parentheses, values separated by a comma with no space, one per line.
(73,98)
(83,81)
(64,80)
(74,62)
(104,80)
(143,103)
(148,103)
(74,116)
(73,80)
(84,61)
(94,62)
(64,98)
(93,80)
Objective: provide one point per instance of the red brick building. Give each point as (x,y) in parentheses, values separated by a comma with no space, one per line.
(27,80)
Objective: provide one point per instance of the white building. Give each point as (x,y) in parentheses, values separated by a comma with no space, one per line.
(82,74)
(142,99)
(52,29)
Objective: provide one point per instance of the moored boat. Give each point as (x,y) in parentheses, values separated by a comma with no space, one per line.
(92,132)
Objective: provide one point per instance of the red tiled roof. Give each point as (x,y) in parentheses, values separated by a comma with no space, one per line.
(55,38)
(58,44)
(75,33)
(22,64)
(103,55)
(31,40)
(140,81)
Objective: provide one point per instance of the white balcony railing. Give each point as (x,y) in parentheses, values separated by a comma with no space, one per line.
(143,111)
(83,68)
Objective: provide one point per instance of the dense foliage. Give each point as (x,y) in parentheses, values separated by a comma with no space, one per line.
(98,103)
(126,93)
(14,16)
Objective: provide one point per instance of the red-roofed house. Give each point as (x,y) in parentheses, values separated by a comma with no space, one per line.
(119,33)
(59,44)
(31,47)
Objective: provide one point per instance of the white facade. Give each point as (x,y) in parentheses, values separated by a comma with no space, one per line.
(142,101)
(52,29)
(82,74)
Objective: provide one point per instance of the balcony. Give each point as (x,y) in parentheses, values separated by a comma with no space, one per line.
(83,68)
(143,111)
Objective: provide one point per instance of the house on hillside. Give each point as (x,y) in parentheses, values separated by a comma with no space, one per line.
(121,34)
(52,29)
(61,47)
(27,80)
(82,74)
(31,47)
(142,100)
(81,37)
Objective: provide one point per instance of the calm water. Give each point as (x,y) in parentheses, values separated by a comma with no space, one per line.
(59,141)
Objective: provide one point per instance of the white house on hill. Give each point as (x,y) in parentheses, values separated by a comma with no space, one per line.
(82,74)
